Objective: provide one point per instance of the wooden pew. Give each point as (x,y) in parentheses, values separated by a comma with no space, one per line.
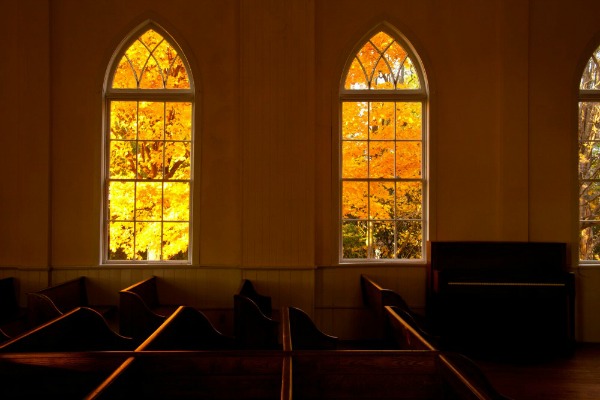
(13,318)
(64,375)
(187,329)
(140,310)
(376,298)
(407,335)
(301,333)
(56,300)
(243,375)
(263,302)
(384,375)
(253,329)
(81,329)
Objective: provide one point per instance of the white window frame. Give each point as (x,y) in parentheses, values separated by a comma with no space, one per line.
(396,95)
(150,95)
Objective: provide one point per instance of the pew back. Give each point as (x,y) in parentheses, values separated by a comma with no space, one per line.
(187,329)
(405,334)
(140,310)
(62,376)
(199,375)
(56,300)
(81,329)
(253,329)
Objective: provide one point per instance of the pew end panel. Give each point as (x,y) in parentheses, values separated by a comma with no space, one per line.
(58,299)
(187,329)
(81,329)
(304,334)
(407,335)
(140,311)
(252,328)
(262,301)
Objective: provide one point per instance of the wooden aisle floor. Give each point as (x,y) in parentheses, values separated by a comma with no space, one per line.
(575,378)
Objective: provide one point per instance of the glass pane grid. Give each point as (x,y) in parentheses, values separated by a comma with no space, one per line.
(382,199)
(149,181)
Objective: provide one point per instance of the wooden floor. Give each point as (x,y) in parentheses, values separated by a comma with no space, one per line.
(574,378)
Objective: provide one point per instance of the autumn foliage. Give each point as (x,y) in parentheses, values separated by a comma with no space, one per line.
(589,162)
(149,171)
(382,154)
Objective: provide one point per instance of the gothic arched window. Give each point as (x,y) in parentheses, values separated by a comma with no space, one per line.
(149,108)
(383,176)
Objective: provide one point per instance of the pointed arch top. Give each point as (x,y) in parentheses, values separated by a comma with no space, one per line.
(385,60)
(149,59)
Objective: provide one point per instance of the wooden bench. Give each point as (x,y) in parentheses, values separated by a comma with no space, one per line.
(187,329)
(140,310)
(13,318)
(62,375)
(81,329)
(406,334)
(301,333)
(196,374)
(263,302)
(384,375)
(376,298)
(253,326)
(51,302)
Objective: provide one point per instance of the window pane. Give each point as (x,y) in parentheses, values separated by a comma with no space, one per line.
(151,39)
(409,160)
(175,239)
(177,158)
(123,120)
(409,200)
(409,239)
(121,205)
(122,159)
(152,75)
(151,120)
(176,201)
(178,77)
(355,159)
(120,241)
(355,200)
(381,204)
(137,54)
(407,76)
(148,201)
(383,78)
(355,118)
(383,239)
(124,76)
(382,120)
(178,121)
(354,239)
(381,159)
(368,57)
(409,121)
(148,241)
(150,160)
(589,241)
(356,78)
